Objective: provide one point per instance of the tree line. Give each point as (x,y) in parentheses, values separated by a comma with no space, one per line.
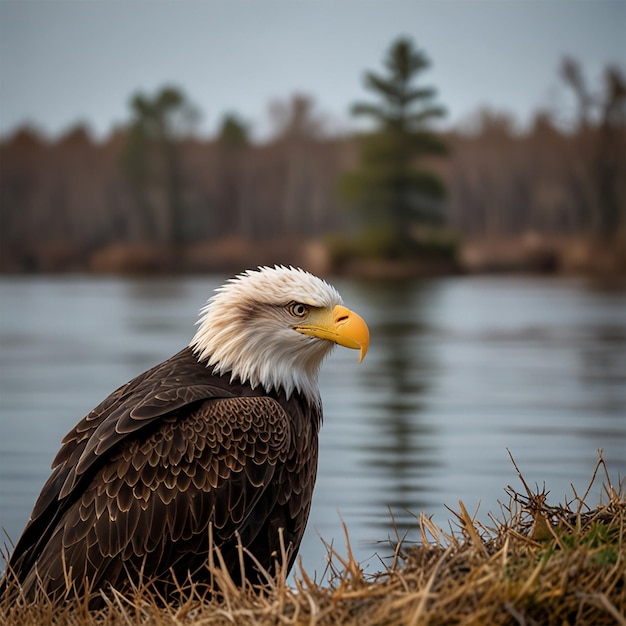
(385,193)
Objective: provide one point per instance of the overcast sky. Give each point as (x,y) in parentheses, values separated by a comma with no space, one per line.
(64,61)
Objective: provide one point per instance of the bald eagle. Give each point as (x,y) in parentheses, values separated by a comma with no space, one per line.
(215,447)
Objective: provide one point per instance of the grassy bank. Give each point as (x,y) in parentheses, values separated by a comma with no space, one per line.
(534,563)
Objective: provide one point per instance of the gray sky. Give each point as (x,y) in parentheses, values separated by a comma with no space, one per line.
(65,61)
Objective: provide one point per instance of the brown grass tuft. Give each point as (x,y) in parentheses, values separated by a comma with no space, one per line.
(538,564)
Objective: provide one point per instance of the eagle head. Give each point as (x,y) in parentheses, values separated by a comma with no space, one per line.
(273,327)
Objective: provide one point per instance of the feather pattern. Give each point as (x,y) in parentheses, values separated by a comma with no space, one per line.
(228,456)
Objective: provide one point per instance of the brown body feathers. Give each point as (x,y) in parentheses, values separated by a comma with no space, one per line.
(140,480)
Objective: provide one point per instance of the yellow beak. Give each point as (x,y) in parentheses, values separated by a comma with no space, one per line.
(340,325)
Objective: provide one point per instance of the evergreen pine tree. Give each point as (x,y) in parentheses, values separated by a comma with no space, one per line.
(391,190)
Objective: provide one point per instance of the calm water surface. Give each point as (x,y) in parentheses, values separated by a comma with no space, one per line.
(459,370)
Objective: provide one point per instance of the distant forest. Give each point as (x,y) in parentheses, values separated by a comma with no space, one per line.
(152,197)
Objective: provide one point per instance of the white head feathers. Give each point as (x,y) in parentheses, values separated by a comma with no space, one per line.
(246,329)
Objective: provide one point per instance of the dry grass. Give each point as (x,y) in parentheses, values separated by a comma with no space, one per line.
(538,564)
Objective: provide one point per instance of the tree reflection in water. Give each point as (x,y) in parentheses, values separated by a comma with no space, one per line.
(401,450)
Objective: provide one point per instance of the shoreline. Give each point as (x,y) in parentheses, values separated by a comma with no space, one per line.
(528,254)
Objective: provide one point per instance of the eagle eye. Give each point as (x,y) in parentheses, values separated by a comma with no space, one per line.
(297,309)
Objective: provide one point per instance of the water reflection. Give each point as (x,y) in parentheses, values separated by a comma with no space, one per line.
(602,366)
(461,370)
(404,370)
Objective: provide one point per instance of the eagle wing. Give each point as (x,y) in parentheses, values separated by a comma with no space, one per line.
(143,478)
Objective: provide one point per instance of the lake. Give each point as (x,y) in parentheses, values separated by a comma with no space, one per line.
(459,370)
